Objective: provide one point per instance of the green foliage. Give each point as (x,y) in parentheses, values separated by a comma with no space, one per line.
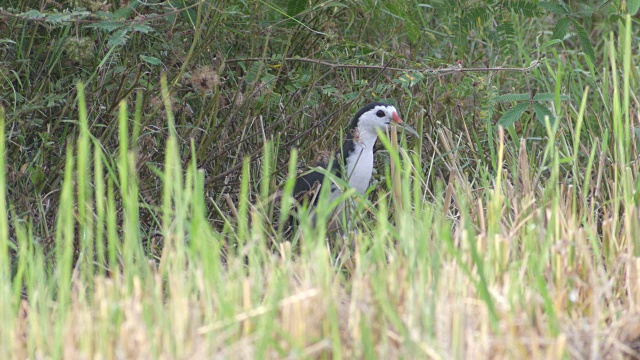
(568,17)
(490,19)
(526,102)
(584,41)
(560,30)
(633,6)
(241,75)
(558,8)
(112,23)
(512,97)
(512,115)
(295,7)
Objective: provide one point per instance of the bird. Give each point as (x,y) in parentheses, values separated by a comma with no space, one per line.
(353,162)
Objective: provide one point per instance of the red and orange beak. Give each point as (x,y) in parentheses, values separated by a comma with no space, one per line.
(396,120)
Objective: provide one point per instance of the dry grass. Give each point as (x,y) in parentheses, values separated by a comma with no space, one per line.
(441,318)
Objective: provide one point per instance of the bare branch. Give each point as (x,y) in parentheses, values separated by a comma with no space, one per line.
(443,71)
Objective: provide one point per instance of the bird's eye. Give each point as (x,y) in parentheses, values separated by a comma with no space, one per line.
(380,113)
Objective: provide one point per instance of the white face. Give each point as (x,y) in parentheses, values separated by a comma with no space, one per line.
(378,118)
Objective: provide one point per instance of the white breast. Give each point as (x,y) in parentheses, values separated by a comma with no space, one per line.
(359,163)
(359,168)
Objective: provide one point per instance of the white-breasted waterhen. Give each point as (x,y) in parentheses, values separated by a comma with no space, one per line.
(353,163)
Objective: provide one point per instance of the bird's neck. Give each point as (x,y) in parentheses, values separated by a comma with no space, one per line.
(360,139)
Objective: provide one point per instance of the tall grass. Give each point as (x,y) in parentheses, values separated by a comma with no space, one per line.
(538,259)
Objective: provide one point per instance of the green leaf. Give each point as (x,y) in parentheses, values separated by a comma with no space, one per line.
(541,111)
(412,30)
(549,97)
(523,7)
(554,7)
(409,79)
(561,28)
(32,14)
(267,78)
(585,42)
(108,26)
(37,177)
(119,37)
(433,61)
(512,115)
(59,18)
(331,4)
(550,43)
(251,75)
(145,29)
(125,11)
(295,7)
(506,35)
(584,12)
(328,90)
(512,97)
(151,60)
(475,17)
(633,6)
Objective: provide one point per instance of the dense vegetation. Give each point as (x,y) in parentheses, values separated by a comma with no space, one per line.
(150,149)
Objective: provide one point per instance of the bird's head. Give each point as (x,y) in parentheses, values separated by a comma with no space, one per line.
(376,116)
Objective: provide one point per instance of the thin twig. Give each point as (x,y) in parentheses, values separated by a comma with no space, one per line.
(443,71)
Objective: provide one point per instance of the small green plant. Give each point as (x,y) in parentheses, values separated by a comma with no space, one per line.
(525,102)
(567,17)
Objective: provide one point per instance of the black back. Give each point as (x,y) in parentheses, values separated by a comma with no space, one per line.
(308,185)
